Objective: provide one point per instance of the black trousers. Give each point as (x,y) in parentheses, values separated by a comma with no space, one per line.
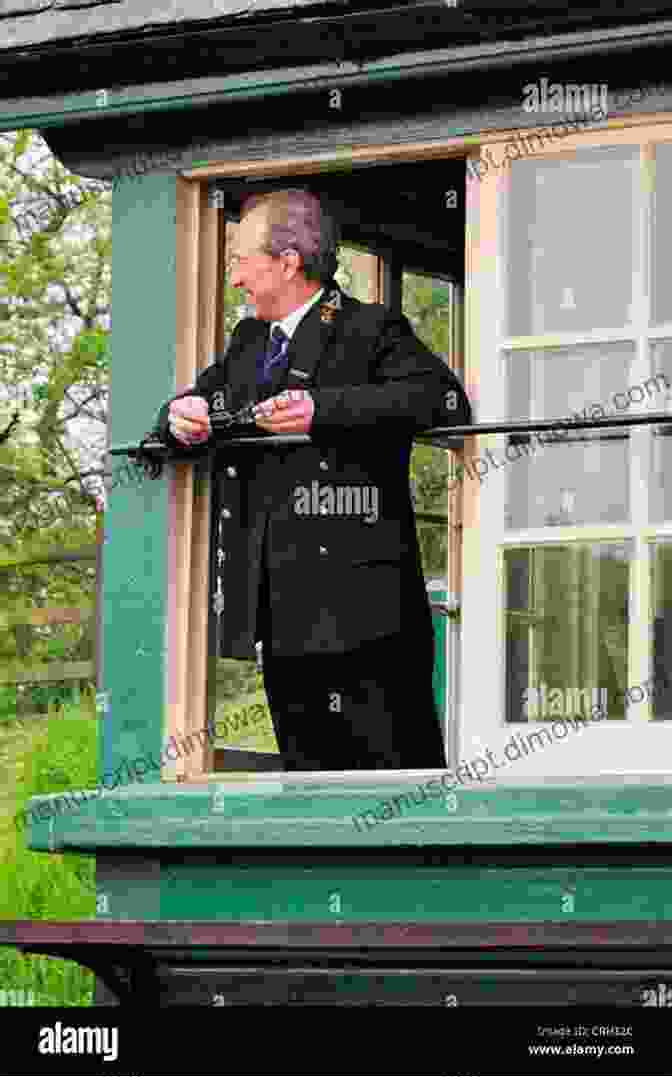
(368,709)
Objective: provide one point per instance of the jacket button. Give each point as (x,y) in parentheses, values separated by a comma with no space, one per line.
(226,514)
(231,472)
(323,550)
(324,465)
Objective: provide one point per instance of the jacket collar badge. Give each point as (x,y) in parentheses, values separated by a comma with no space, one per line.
(330,306)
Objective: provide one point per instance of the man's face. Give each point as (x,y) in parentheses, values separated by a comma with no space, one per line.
(266,280)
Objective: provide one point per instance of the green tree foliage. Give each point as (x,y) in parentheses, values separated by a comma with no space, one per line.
(55,255)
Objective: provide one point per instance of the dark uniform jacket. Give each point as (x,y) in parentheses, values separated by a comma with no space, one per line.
(340,572)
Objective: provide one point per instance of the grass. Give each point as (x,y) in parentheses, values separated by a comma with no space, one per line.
(242,717)
(44,755)
(246,723)
(58,753)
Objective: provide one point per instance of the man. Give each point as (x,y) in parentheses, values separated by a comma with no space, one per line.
(318,556)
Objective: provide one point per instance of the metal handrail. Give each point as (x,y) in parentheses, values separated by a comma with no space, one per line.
(456,433)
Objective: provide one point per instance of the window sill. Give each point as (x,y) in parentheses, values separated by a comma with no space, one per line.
(344,811)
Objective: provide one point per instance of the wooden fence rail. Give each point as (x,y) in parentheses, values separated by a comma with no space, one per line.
(15,672)
(49,615)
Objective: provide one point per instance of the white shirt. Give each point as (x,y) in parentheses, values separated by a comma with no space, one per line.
(289,324)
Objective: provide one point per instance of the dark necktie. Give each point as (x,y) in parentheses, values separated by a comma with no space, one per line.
(273,357)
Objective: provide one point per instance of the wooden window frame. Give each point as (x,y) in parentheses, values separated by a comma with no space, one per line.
(200,257)
(487,338)
(199,246)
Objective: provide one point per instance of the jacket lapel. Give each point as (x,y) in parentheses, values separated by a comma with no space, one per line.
(309,343)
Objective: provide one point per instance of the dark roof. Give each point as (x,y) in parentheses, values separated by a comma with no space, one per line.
(55,49)
(31,22)
(28,23)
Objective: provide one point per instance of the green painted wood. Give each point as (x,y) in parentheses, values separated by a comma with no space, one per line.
(281,889)
(129,883)
(280,812)
(278,888)
(360,891)
(439,679)
(136,521)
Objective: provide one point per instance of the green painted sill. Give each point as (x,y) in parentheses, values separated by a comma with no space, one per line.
(278,811)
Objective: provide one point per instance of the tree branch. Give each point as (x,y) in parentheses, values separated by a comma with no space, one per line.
(74,305)
(4,436)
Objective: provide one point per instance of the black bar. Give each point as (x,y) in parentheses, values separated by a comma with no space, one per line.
(521,426)
(529,426)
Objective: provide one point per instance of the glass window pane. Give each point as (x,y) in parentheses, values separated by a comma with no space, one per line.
(661,263)
(357,273)
(235,306)
(660,687)
(578,476)
(570,252)
(429,304)
(430,472)
(658,397)
(566,630)
(242,718)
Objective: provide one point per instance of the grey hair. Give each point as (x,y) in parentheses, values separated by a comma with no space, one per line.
(298,220)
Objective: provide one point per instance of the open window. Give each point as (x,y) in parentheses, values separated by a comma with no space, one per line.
(393,251)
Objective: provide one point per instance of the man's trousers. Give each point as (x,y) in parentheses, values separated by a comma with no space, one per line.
(368,709)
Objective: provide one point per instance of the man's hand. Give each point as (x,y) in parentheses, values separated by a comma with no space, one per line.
(289,413)
(188,420)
